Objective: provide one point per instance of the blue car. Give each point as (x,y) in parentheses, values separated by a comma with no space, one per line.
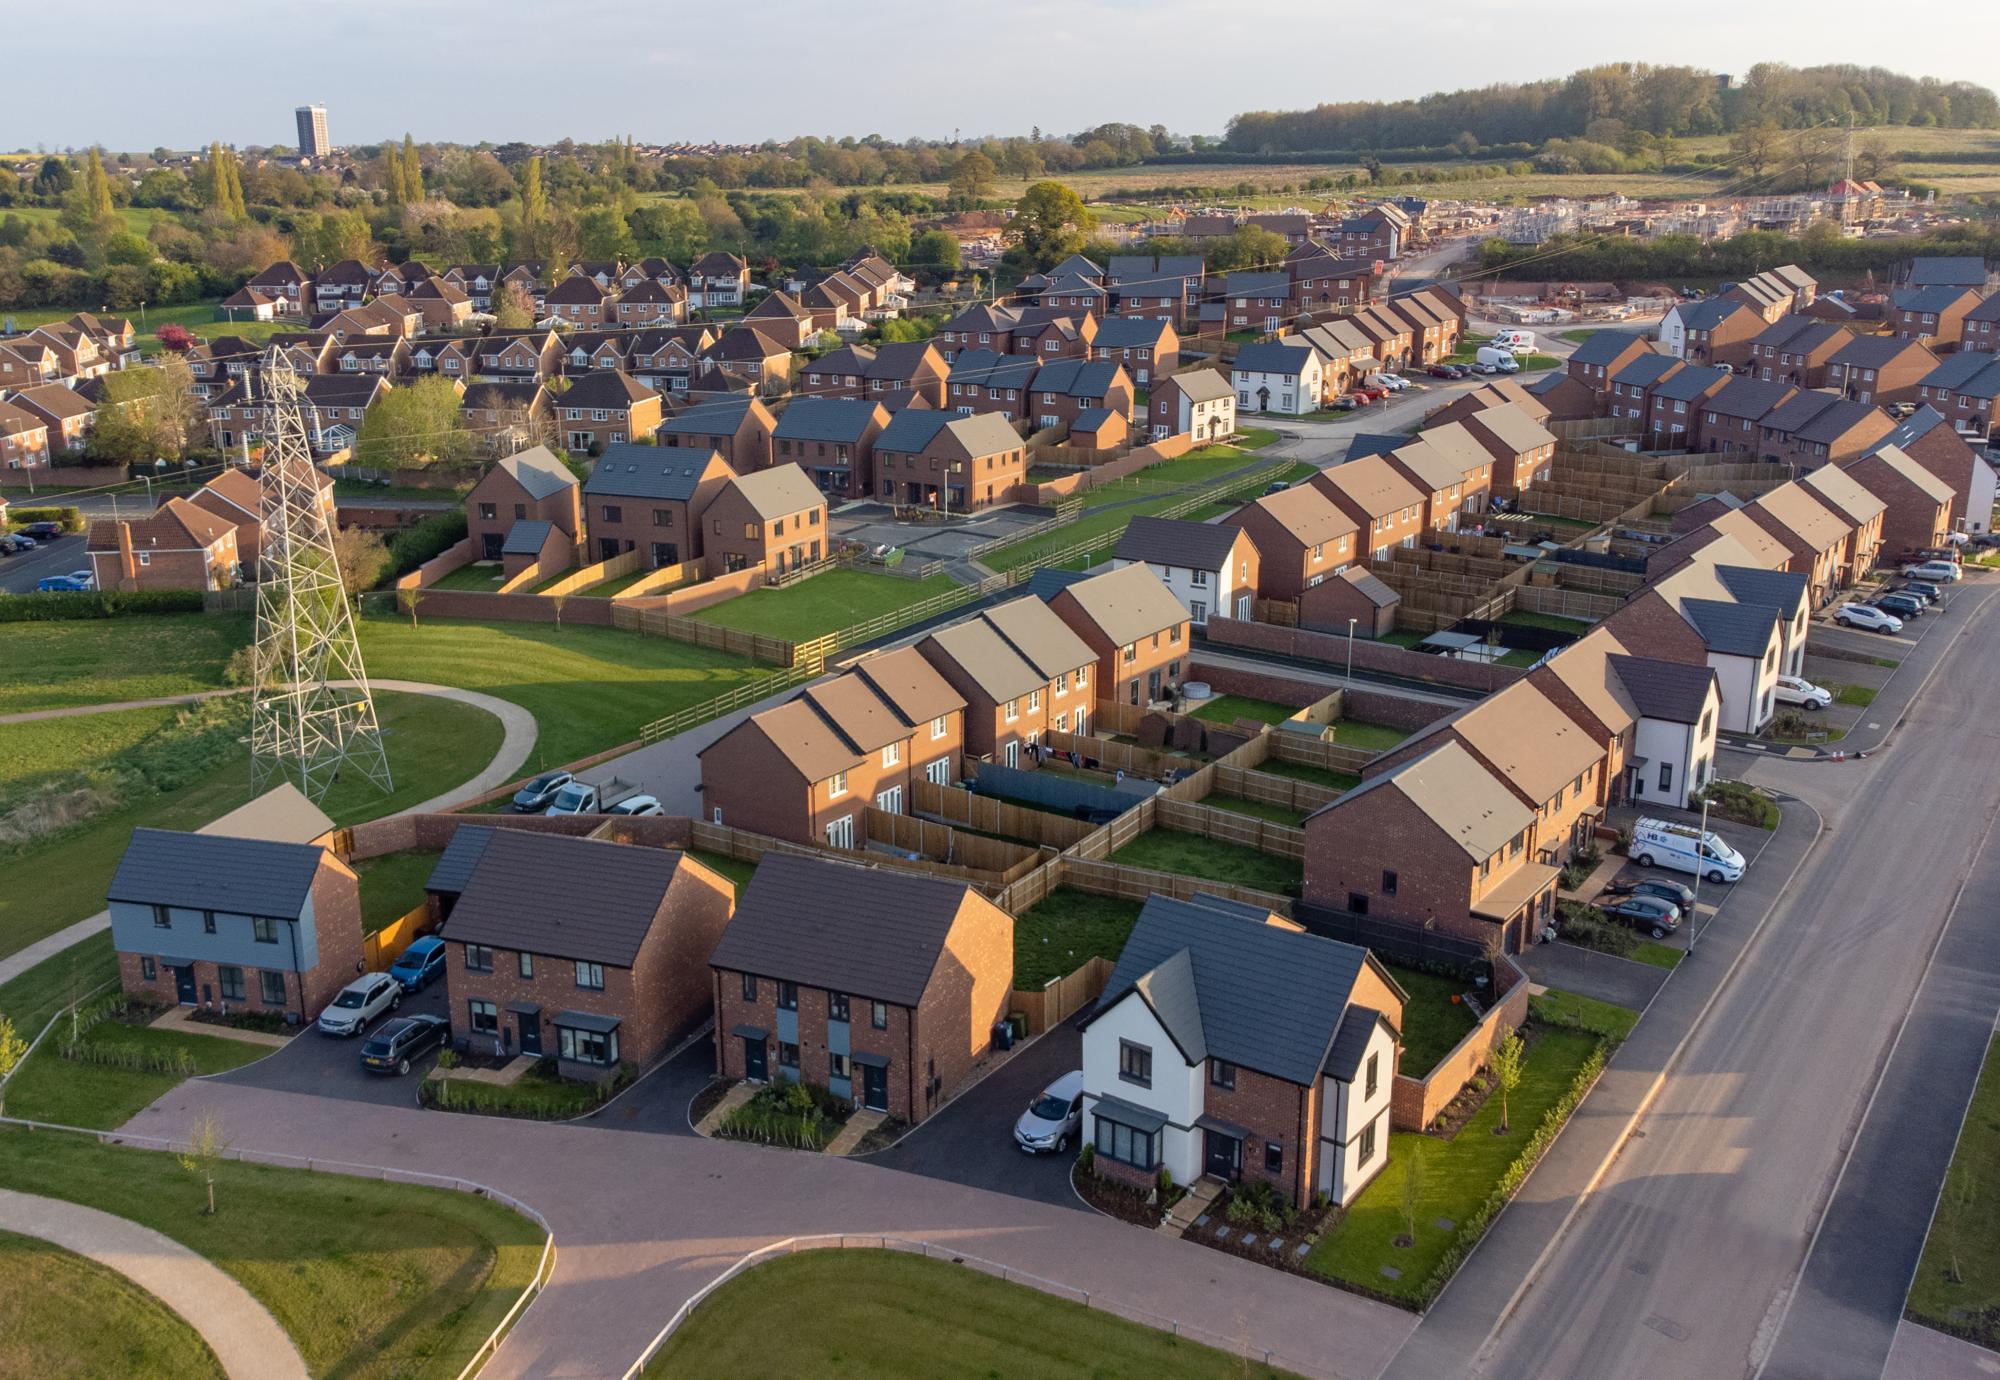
(62,584)
(420,965)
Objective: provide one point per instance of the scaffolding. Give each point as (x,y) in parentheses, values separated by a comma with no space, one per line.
(312,713)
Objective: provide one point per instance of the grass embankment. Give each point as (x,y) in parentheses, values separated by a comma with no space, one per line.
(1957,1285)
(45,1291)
(110,660)
(372,1280)
(823,604)
(105,1095)
(889,1314)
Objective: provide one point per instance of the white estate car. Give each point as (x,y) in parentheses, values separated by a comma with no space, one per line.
(360,1002)
(1869,617)
(1802,692)
(1938,571)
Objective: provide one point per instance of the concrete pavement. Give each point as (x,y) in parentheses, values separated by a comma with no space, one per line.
(245,1338)
(1923,1354)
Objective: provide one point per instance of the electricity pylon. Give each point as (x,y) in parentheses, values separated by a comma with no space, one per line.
(311,712)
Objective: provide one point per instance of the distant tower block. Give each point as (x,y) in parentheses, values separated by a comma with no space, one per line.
(312,715)
(313,142)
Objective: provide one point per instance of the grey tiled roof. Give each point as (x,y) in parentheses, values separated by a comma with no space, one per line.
(1967,270)
(719,417)
(826,419)
(1731,628)
(866,931)
(1935,298)
(455,864)
(1367,443)
(525,537)
(1350,1044)
(632,471)
(1782,590)
(1669,690)
(1273,357)
(562,896)
(1690,383)
(1266,998)
(1169,541)
(1128,332)
(215,872)
(1601,347)
(1708,314)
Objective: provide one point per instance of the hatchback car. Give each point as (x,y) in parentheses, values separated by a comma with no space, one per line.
(418,966)
(1941,572)
(1659,887)
(1867,617)
(640,805)
(540,793)
(61,584)
(1052,1119)
(1649,913)
(1443,371)
(1904,606)
(1923,589)
(360,1002)
(1802,692)
(390,1049)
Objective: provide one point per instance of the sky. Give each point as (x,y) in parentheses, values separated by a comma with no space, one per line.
(137,75)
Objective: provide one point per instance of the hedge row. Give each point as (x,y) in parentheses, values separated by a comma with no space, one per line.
(71,607)
(70,518)
(412,546)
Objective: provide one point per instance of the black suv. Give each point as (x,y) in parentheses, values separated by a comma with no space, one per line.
(390,1049)
(43,531)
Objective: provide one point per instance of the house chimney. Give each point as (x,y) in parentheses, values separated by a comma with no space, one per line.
(128,564)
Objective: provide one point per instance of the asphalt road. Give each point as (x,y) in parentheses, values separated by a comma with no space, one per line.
(19,574)
(1681,1262)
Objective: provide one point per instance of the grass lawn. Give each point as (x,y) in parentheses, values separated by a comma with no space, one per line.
(616,585)
(45,1290)
(1859,695)
(60,879)
(1057,934)
(1957,1285)
(1362,734)
(1404,637)
(1227,709)
(390,493)
(588,688)
(823,604)
(372,1280)
(736,870)
(1548,622)
(392,886)
(1559,1008)
(1195,855)
(1255,437)
(33,998)
(1433,1023)
(1304,771)
(888,1314)
(1459,1175)
(481,577)
(1659,955)
(1256,809)
(106,660)
(72,1092)
(1519,656)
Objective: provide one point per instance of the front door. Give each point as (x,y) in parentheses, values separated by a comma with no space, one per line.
(184,985)
(753,1059)
(1224,1157)
(1152,686)
(531,1033)
(491,546)
(875,1087)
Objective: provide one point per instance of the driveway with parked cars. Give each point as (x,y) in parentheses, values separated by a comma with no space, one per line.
(19,574)
(330,1065)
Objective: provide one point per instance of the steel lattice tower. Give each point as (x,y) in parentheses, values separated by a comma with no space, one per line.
(311,712)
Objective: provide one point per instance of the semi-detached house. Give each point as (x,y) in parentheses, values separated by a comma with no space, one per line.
(1387,510)
(1209,567)
(1023,675)
(1137,628)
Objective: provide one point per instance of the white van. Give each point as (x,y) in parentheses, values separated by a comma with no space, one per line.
(1495,359)
(1520,342)
(1683,848)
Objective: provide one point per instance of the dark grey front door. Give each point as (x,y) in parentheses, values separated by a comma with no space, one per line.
(875,1087)
(754,1067)
(1225,1155)
(490,546)
(531,1033)
(184,985)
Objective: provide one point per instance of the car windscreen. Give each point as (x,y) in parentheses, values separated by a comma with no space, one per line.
(1050,1108)
(379,1045)
(349,999)
(570,797)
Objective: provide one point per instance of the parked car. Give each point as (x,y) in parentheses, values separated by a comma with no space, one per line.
(1684,848)
(1658,887)
(1372,392)
(590,798)
(540,793)
(21,541)
(1922,589)
(1277,486)
(360,1002)
(1938,572)
(1868,617)
(639,805)
(1444,371)
(43,531)
(1053,1118)
(1904,606)
(1801,692)
(1657,917)
(390,1049)
(62,584)
(418,966)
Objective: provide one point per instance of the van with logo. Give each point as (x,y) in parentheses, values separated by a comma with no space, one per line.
(1684,848)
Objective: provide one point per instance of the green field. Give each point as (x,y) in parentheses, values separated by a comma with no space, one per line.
(1957,1285)
(823,604)
(198,317)
(106,660)
(44,1290)
(887,1314)
(372,1280)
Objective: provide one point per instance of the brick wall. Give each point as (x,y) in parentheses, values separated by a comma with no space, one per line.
(1414,1102)
(432,832)
(1369,656)
(969,991)
(1261,685)
(336,898)
(1275,1112)
(511,608)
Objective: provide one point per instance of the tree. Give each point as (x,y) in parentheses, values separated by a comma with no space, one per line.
(410,598)
(96,189)
(1053,223)
(394,190)
(935,247)
(513,308)
(13,1049)
(413,171)
(205,1151)
(54,178)
(534,202)
(1755,147)
(1413,1190)
(174,337)
(362,557)
(147,414)
(423,424)
(1505,1065)
(972,180)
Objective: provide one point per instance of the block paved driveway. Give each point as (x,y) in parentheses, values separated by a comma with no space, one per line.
(641,1222)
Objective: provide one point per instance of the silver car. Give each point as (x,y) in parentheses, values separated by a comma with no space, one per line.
(360,1002)
(1053,1119)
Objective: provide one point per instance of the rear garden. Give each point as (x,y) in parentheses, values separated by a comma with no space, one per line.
(1215,860)
(1065,929)
(1227,709)
(824,604)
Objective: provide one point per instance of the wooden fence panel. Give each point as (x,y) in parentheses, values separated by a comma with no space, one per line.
(1138,883)
(1007,862)
(1246,831)
(1312,752)
(386,945)
(1129,758)
(624,563)
(971,810)
(1268,788)
(1062,997)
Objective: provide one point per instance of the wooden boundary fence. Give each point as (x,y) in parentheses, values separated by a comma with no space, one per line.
(1056,1000)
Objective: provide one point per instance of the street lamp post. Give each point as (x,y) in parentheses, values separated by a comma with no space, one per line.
(1350,649)
(1694,906)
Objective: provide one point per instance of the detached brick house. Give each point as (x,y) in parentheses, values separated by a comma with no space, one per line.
(67,412)
(1302,538)
(1199,403)
(580,300)
(606,408)
(1716,331)
(1232,1046)
(532,486)
(230,923)
(739,427)
(774,520)
(236,497)
(808,770)
(881,986)
(178,546)
(833,440)
(1137,628)
(1212,568)
(1023,674)
(590,952)
(932,459)
(1065,388)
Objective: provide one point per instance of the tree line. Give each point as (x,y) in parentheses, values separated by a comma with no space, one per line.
(1674,259)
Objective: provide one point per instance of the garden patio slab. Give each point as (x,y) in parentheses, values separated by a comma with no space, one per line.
(505,1076)
(731,1100)
(858,1125)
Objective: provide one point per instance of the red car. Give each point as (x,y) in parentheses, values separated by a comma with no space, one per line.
(1373,394)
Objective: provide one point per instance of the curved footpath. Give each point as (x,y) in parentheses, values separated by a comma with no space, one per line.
(244,1336)
(517,741)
